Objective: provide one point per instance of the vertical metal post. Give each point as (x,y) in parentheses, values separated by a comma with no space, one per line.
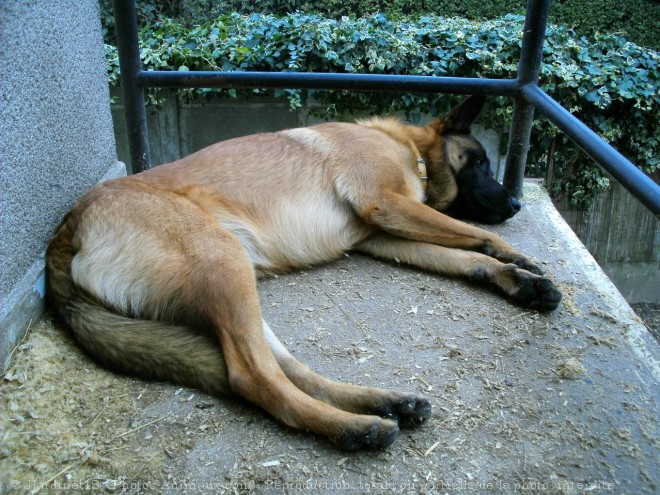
(529,68)
(130,67)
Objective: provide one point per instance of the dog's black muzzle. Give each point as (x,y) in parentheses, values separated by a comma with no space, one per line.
(481,198)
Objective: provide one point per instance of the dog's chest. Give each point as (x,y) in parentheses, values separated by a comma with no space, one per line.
(299,231)
(309,230)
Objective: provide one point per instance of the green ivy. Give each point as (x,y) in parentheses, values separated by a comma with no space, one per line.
(637,20)
(609,83)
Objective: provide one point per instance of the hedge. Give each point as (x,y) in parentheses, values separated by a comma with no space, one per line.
(637,20)
(611,84)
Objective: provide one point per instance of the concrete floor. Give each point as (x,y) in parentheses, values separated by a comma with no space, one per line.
(523,402)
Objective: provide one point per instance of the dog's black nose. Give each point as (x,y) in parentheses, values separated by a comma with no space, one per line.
(515,204)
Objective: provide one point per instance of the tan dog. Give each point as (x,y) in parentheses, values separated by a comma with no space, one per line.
(155,273)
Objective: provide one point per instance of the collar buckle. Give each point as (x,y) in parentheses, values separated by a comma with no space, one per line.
(421,169)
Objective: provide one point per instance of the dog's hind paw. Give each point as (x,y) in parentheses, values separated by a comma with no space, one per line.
(410,411)
(537,293)
(379,434)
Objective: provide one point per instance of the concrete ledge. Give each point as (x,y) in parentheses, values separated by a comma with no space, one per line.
(25,303)
(617,308)
(563,403)
(23,307)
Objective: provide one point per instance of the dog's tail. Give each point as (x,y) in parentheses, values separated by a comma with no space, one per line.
(149,349)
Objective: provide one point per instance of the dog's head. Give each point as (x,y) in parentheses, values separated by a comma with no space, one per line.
(460,180)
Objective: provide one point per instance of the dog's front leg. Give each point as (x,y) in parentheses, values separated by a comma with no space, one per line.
(525,288)
(407,218)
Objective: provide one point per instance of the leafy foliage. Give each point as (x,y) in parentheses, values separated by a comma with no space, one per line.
(637,20)
(147,12)
(609,83)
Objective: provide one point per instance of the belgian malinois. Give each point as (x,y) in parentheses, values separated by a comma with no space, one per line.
(155,273)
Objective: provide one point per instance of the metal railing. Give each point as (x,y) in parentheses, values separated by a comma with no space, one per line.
(525,90)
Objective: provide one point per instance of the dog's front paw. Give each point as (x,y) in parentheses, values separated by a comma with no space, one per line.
(507,254)
(537,293)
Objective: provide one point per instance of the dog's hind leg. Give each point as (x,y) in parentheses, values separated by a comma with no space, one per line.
(523,287)
(175,264)
(224,289)
(410,411)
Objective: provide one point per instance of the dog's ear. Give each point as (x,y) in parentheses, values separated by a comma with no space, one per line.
(460,118)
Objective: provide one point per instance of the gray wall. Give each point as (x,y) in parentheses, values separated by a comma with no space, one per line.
(624,238)
(177,129)
(56,139)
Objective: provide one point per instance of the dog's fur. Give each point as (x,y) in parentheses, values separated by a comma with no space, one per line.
(155,273)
